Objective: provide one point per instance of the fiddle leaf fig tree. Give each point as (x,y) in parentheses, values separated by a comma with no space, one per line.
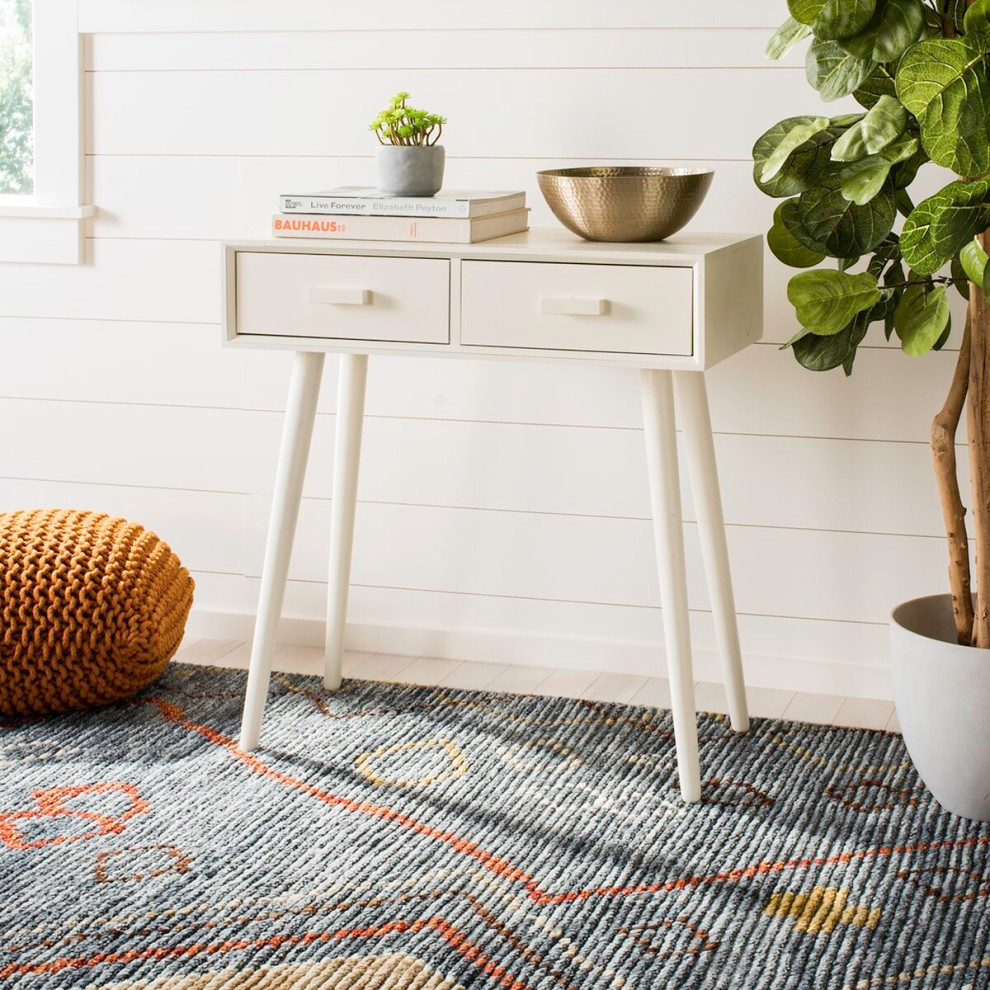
(920,72)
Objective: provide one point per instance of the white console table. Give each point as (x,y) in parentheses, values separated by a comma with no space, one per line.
(667,310)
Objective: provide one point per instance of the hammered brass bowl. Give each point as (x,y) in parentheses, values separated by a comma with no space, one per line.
(624,203)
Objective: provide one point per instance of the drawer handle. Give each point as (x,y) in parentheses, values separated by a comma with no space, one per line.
(573,306)
(339,296)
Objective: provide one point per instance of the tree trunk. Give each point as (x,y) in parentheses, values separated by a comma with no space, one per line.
(978,423)
(943,441)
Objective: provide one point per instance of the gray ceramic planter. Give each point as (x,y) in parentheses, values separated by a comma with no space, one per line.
(942,693)
(409,171)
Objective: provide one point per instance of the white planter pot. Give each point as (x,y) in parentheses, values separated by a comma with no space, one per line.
(942,693)
(409,171)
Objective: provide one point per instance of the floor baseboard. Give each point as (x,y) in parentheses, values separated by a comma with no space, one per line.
(561,652)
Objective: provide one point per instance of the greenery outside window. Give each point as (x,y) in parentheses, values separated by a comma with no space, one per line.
(42,215)
(16,98)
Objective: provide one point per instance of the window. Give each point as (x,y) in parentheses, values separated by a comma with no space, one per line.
(16,98)
(41,211)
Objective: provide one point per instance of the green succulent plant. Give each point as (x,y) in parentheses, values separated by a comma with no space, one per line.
(401,124)
(919,71)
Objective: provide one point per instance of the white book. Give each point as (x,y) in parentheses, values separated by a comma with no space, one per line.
(450,230)
(361,201)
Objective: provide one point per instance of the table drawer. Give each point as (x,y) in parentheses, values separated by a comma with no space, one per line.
(343,297)
(632,309)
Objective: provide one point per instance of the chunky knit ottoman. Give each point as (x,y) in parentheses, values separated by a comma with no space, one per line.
(91,609)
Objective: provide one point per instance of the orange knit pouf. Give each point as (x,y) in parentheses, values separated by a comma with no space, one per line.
(91,609)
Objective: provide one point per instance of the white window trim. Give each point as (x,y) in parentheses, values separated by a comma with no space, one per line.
(49,225)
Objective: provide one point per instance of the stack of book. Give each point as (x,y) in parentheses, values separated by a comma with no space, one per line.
(356,213)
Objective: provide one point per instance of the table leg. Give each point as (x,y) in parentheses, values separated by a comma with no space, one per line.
(665,496)
(297,432)
(696,423)
(347,458)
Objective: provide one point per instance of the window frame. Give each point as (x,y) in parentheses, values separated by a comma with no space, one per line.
(48,226)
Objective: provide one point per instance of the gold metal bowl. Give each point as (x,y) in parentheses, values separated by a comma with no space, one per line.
(624,203)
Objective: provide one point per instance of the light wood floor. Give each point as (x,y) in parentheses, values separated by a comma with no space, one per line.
(591,685)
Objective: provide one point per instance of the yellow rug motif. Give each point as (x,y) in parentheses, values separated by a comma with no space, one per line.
(456,767)
(372,972)
(820,911)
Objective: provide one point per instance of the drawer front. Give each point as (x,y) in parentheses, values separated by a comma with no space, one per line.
(343,297)
(631,309)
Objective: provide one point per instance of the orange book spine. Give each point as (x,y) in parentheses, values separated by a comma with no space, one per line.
(357,228)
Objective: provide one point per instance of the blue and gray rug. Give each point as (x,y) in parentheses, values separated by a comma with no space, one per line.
(398,837)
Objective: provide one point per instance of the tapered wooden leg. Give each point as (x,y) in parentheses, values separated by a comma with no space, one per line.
(347,458)
(297,432)
(696,424)
(665,496)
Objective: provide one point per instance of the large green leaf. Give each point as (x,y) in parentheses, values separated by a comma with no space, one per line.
(786,37)
(976,264)
(833,71)
(893,277)
(785,246)
(844,228)
(790,217)
(944,338)
(907,171)
(883,125)
(798,135)
(888,250)
(903,201)
(921,318)
(977,24)
(846,120)
(961,280)
(851,146)
(825,353)
(805,167)
(940,225)
(894,28)
(944,83)
(878,83)
(863,180)
(954,9)
(826,300)
(885,306)
(847,364)
(805,11)
(843,18)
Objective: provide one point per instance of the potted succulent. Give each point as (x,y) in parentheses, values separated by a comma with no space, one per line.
(920,73)
(408,158)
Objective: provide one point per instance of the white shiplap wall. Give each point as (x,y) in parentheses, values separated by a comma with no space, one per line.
(503,507)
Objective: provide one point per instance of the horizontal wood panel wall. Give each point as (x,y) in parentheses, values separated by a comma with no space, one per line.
(503,507)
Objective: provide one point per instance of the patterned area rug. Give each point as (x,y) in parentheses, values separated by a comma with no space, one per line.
(399,837)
